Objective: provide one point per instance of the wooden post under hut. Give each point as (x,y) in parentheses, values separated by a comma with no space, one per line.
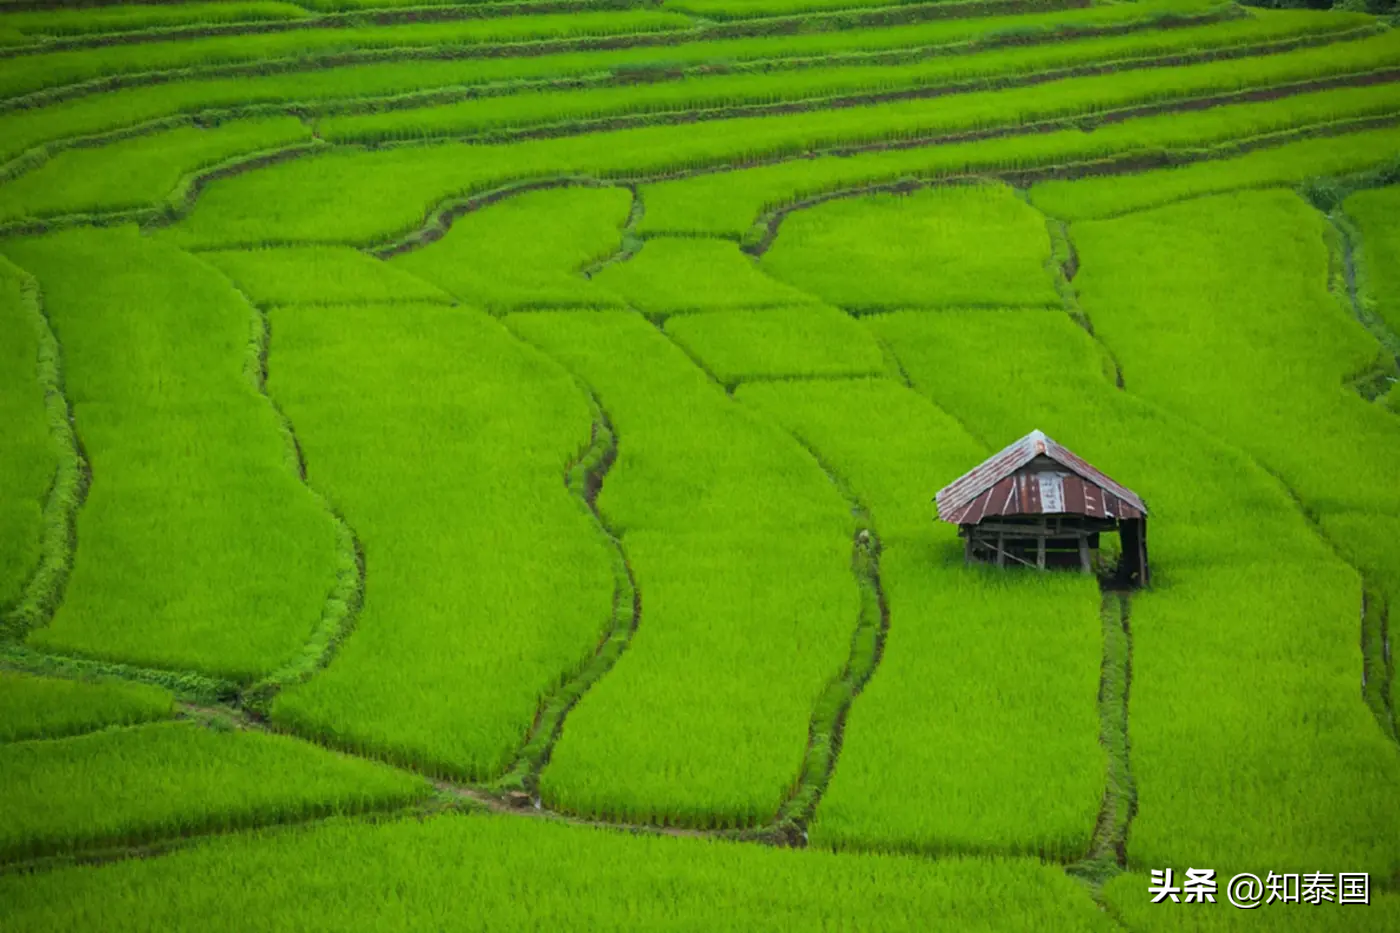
(1039,504)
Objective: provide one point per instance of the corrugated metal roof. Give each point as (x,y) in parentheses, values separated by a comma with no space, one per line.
(995,487)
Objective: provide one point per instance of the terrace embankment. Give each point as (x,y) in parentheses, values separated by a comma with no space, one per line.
(68,490)
(1108,852)
(584,478)
(346,595)
(832,706)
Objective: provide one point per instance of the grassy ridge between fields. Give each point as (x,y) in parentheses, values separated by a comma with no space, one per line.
(937,75)
(28,459)
(332,87)
(526,874)
(128,786)
(200,548)
(443,442)
(395,189)
(704,720)
(40,707)
(526,251)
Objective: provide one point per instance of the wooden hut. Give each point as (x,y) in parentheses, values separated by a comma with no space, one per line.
(1037,503)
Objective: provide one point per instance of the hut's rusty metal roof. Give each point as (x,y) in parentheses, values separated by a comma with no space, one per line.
(997,488)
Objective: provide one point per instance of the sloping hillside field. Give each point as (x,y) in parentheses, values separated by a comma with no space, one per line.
(468,465)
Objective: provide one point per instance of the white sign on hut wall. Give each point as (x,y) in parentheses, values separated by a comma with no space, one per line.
(1052,492)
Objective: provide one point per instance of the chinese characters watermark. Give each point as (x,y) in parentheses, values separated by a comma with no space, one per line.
(1247,891)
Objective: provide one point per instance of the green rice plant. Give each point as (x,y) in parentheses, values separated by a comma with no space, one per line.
(1284,166)
(524,873)
(703,721)
(138,172)
(129,786)
(443,442)
(676,274)
(1128,898)
(319,275)
(937,248)
(1244,651)
(30,73)
(334,85)
(1377,215)
(778,343)
(47,708)
(395,188)
(744,9)
(527,250)
(137,17)
(728,203)
(28,458)
(1248,274)
(978,731)
(741,550)
(199,547)
(975,74)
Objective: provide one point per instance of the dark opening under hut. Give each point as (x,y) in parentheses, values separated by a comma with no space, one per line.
(1038,503)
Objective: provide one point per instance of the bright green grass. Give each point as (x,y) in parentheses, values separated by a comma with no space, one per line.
(958,113)
(129,786)
(198,546)
(356,196)
(1245,649)
(703,721)
(28,456)
(675,274)
(394,188)
(937,248)
(319,275)
(777,343)
(1249,342)
(41,707)
(727,204)
(443,442)
(527,250)
(1284,166)
(139,16)
(138,172)
(531,874)
(123,108)
(743,9)
(698,464)
(1377,215)
(1129,900)
(741,550)
(979,730)
(26,74)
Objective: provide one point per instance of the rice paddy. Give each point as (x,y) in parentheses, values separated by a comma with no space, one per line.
(470,465)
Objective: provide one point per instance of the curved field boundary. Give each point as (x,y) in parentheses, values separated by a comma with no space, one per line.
(445,14)
(978,9)
(585,478)
(766,227)
(834,704)
(41,152)
(176,205)
(569,124)
(347,594)
(184,684)
(853,18)
(792,53)
(68,490)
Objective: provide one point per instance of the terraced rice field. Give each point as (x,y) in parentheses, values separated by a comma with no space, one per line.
(467,465)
